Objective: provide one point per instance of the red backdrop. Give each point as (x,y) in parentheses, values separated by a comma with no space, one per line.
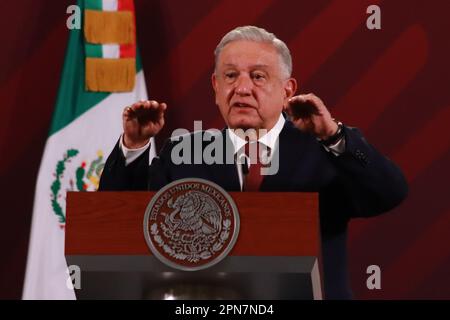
(391,83)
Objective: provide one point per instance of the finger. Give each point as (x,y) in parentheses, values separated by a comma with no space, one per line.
(145,110)
(303,98)
(161,110)
(303,109)
(128,112)
(161,121)
(298,98)
(288,110)
(309,97)
(153,104)
(156,109)
(126,109)
(134,107)
(321,108)
(142,104)
(163,106)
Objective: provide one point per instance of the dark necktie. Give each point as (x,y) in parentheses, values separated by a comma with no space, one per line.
(252,176)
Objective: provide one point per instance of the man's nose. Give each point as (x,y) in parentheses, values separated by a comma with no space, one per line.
(244,86)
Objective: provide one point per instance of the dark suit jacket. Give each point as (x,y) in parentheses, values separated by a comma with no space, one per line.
(359,183)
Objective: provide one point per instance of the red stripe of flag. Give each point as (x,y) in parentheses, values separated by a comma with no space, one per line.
(128,50)
(125,5)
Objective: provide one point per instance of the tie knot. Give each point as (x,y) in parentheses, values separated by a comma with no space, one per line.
(255,153)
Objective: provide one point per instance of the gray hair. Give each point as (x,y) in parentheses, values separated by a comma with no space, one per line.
(252,33)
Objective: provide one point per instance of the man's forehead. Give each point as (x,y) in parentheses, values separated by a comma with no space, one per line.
(257,54)
(247,46)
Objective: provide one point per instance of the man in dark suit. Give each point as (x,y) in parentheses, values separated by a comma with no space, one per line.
(313,152)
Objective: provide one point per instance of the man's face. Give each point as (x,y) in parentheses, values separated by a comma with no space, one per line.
(249,84)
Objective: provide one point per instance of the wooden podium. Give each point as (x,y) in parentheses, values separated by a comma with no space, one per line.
(276,255)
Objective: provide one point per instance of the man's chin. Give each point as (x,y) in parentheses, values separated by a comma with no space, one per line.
(244,123)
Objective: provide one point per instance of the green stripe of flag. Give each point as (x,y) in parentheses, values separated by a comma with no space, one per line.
(93,4)
(93,50)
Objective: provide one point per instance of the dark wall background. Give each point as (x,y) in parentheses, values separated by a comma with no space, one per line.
(392,83)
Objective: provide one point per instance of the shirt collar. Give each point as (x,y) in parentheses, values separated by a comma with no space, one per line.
(269,139)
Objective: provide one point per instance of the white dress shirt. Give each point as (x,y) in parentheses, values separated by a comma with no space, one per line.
(269,140)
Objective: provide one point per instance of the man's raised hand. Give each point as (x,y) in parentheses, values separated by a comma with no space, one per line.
(309,114)
(142,121)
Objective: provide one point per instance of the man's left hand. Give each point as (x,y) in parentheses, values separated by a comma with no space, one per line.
(309,114)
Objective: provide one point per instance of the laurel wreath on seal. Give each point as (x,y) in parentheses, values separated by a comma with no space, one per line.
(93,173)
(56,185)
(224,235)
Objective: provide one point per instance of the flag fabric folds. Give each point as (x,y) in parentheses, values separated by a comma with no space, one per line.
(85,126)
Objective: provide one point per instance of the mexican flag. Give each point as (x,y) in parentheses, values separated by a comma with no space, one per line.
(96,85)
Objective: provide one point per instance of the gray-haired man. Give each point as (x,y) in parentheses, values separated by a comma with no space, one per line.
(253,86)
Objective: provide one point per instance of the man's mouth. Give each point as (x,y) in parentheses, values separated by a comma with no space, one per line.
(242,105)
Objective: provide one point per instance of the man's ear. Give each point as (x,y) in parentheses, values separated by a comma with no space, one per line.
(290,88)
(214,81)
(214,84)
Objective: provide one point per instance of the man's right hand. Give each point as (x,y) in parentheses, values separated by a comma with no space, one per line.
(142,121)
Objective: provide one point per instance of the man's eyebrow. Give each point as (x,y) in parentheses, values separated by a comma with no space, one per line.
(260,66)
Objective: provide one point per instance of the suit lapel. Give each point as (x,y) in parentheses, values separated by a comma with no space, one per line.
(225,175)
(289,155)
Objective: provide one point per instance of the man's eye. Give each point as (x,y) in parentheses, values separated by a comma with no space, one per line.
(258,76)
(230,75)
